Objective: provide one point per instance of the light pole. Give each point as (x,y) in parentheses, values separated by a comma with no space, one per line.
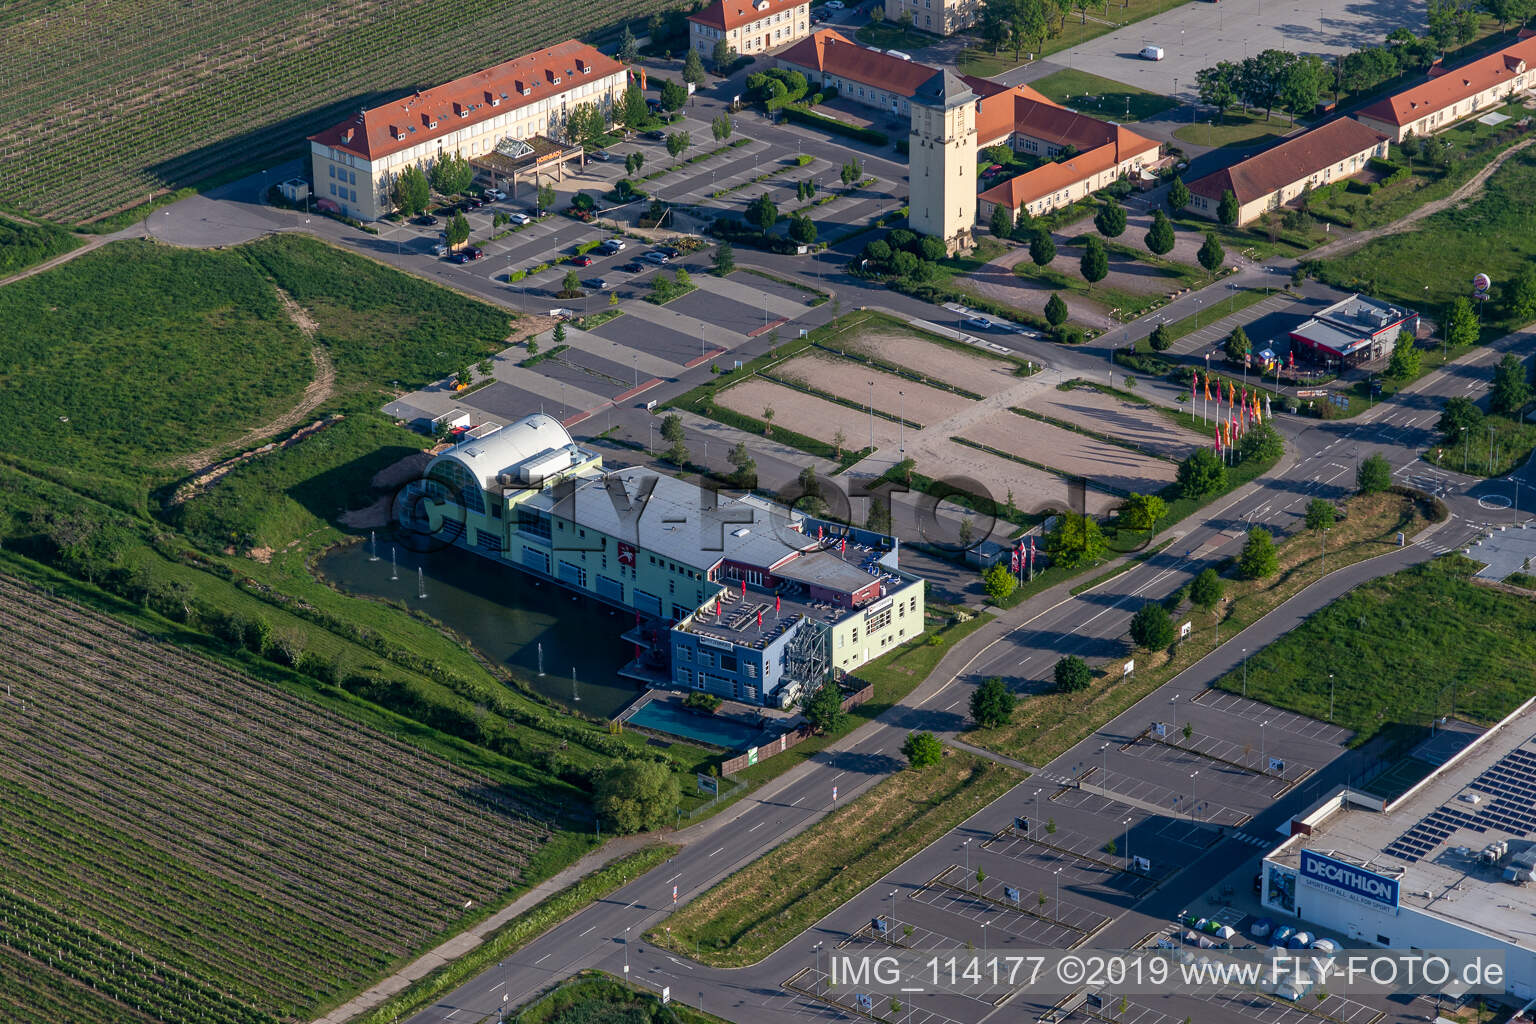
(1173,713)
(1324,571)
(1056,910)
(966,846)
(871,415)
(1516,506)
(1330,696)
(1263,764)
(984,935)
(1192,804)
(1104,760)
(902,449)
(1038,822)
(893,907)
(1197,314)
(817,950)
(1490,449)
(1127,824)
(1245,672)
(626,953)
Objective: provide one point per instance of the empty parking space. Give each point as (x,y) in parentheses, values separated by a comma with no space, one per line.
(507,403)
(662,342)
(1177,794)
(1276,719)
(720,311)
(1224,761)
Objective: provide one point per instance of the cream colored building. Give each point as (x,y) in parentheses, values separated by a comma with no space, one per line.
(357,162)
(1451,94)
(749,26)
(1279,174)
(943,17)
(874,78)
(943,160)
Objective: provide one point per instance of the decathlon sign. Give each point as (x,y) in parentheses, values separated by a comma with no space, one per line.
(1353,882)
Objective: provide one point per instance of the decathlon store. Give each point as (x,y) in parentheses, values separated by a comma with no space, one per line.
(1448,865)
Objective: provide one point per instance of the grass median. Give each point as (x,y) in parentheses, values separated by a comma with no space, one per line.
(755,911)
(1403,649)
(593,997)
(1047,723)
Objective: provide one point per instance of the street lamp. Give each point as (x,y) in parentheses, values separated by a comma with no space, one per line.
(1245,672)
(871,415)
(1037,807)
(1263,764)
(626,952)
(1056,910)
(1192,805)
(984,935)
(817,950)
(966,846)
(1330,696)
(1516,506)
(893,907)
(903,421)
(1104,761)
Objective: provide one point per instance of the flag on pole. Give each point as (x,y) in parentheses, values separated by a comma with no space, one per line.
(743,586)
(1031,554)
(842,548)
(759,618)
(1194,385)
(778,602)
(1014,561)
(818,535)
(1217,431)
(1207,385)
(1292,356)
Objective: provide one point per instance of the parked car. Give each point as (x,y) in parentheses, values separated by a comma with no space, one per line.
(474,253)
(440,248)
(615,245)
(495,195)
(977,323)
(459,257)
(519,218)
(656,256)
(671,252)
(655,133)
(473,203)
(632,267)
(597,284)
(834,5)
(600,154)
(583,260)
(426,220)
(1151,53)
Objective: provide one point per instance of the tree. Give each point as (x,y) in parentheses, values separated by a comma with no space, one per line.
(1461,323)
(558,334)
(1211,253)
(1302,84)
(677,454)
(725,259)
(1201,474)
(545,198)
(1178,195)
(1143,511)
(1374,475)
(1072,674)
(1260,79)
(1258,560)
(570,287)
(824,711)
(585,123)
(1237,344)
(1511,389)
(1227,210)
(1110,220)
(922,749)
(1076,541)
(673,95)
(722,57)
(1260,443)
(629,46)
(998,582)
(1461,418)
(931,249)
(634,161)
(1159,237)
(451,174)
(412,192)
(1151,628)
(1161,338)
(1205,592)
(1055,310)
(630,110)
(636,796)
(1218,85)
(802,229)
(763,213)
(745,475)
(851,174)
(1407,360)
(1002,221)
(721,127)
(672,428)
(1522,292)
(1095,264)
(693,67)
(1320,514)
(992,703)
(1506,11)
(879,517)
(533,344)
(677,143)
(458,229)
(1042,248)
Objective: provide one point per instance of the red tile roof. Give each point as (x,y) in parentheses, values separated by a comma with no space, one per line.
(1290,161)
(829,52)
(444,109)
(1449,86)
(1053,177)
(728,14)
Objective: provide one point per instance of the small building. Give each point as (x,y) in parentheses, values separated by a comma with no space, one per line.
(357,162)
(1269,180)
(862,75)
(749,26)
(295,190)
(946,17)
(748,605)
(1352,331)
(1098,152)
(1449,95)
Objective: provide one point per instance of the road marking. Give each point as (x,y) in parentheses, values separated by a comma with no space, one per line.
(501,983)
(592,928)
(721,850)
(754,828)
(451,1015)
(541,959)
(673,878)
(1026,658)
(838,776)
(797,801)
(951,705)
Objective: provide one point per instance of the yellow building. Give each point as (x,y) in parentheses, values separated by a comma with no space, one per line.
(357,162)
(1451,94)
(943,160)
(944,17)
(749,26)
(830,60)
(1274,177)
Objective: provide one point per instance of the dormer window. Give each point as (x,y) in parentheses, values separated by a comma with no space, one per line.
(430,120)
(554,79)
(493,99)
(582,65)
(397,131)
(524,88)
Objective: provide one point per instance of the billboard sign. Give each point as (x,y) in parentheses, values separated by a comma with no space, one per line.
(708,784)
(1354,883)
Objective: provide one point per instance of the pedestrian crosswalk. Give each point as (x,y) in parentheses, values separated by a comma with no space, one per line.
(1252,840)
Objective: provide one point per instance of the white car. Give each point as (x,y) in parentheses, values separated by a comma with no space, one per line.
(834,5)
(656,257)
(614,245)
(519,218)
(1151,53)
(495,195)
(978,323)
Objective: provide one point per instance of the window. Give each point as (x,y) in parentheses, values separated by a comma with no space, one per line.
(354,195)
(706,659)
(685,653)
(332,169)
(1383,940)
(685,676)
(728,662)
(333,188)
(751,667)
(878,621)
(352,178)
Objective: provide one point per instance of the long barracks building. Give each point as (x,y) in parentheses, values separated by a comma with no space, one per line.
(755,607)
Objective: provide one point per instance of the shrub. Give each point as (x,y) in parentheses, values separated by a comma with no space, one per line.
(1072,674)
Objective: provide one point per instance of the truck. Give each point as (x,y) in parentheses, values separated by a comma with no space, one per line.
(1152,53)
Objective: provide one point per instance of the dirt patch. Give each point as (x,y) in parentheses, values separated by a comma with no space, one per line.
(996,280)
(528,325)
(975,373)
(846,379)
(1034,490)
(809,415)
(320,388)
(409,468)
(1108,465)
(1137,423)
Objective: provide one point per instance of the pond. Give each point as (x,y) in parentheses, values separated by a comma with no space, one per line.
(507,615)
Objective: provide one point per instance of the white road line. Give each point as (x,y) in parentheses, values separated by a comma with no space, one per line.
(673,878)
(721,850)
(1024,659)
(754,828)
(838,776)
(952,705)
(501,983)
(797,801)
(541,959)
(592,928)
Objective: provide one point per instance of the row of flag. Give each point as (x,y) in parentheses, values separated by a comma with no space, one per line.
(1024,558)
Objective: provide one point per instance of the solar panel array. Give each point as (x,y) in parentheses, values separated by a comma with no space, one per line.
(1509,787)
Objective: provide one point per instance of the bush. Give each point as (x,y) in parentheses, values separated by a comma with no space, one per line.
(999,583)
(806,117)
(922,749)
(1259,559)
(1072,674)
(1201,474)
(992,703)
(1374,475)
(1151,628)
(701,701)
(1206,589)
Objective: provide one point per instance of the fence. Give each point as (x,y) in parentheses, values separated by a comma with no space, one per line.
(756,755)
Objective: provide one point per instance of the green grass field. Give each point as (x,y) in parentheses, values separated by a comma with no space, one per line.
(1425,267)
(1101,97)
(888,35)
(151,96)
(1076,27)
(592,997)
(26,245)
(1403,649)
(1236,129)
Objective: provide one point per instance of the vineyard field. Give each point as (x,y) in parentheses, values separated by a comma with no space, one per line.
(186,843)
(153,96)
